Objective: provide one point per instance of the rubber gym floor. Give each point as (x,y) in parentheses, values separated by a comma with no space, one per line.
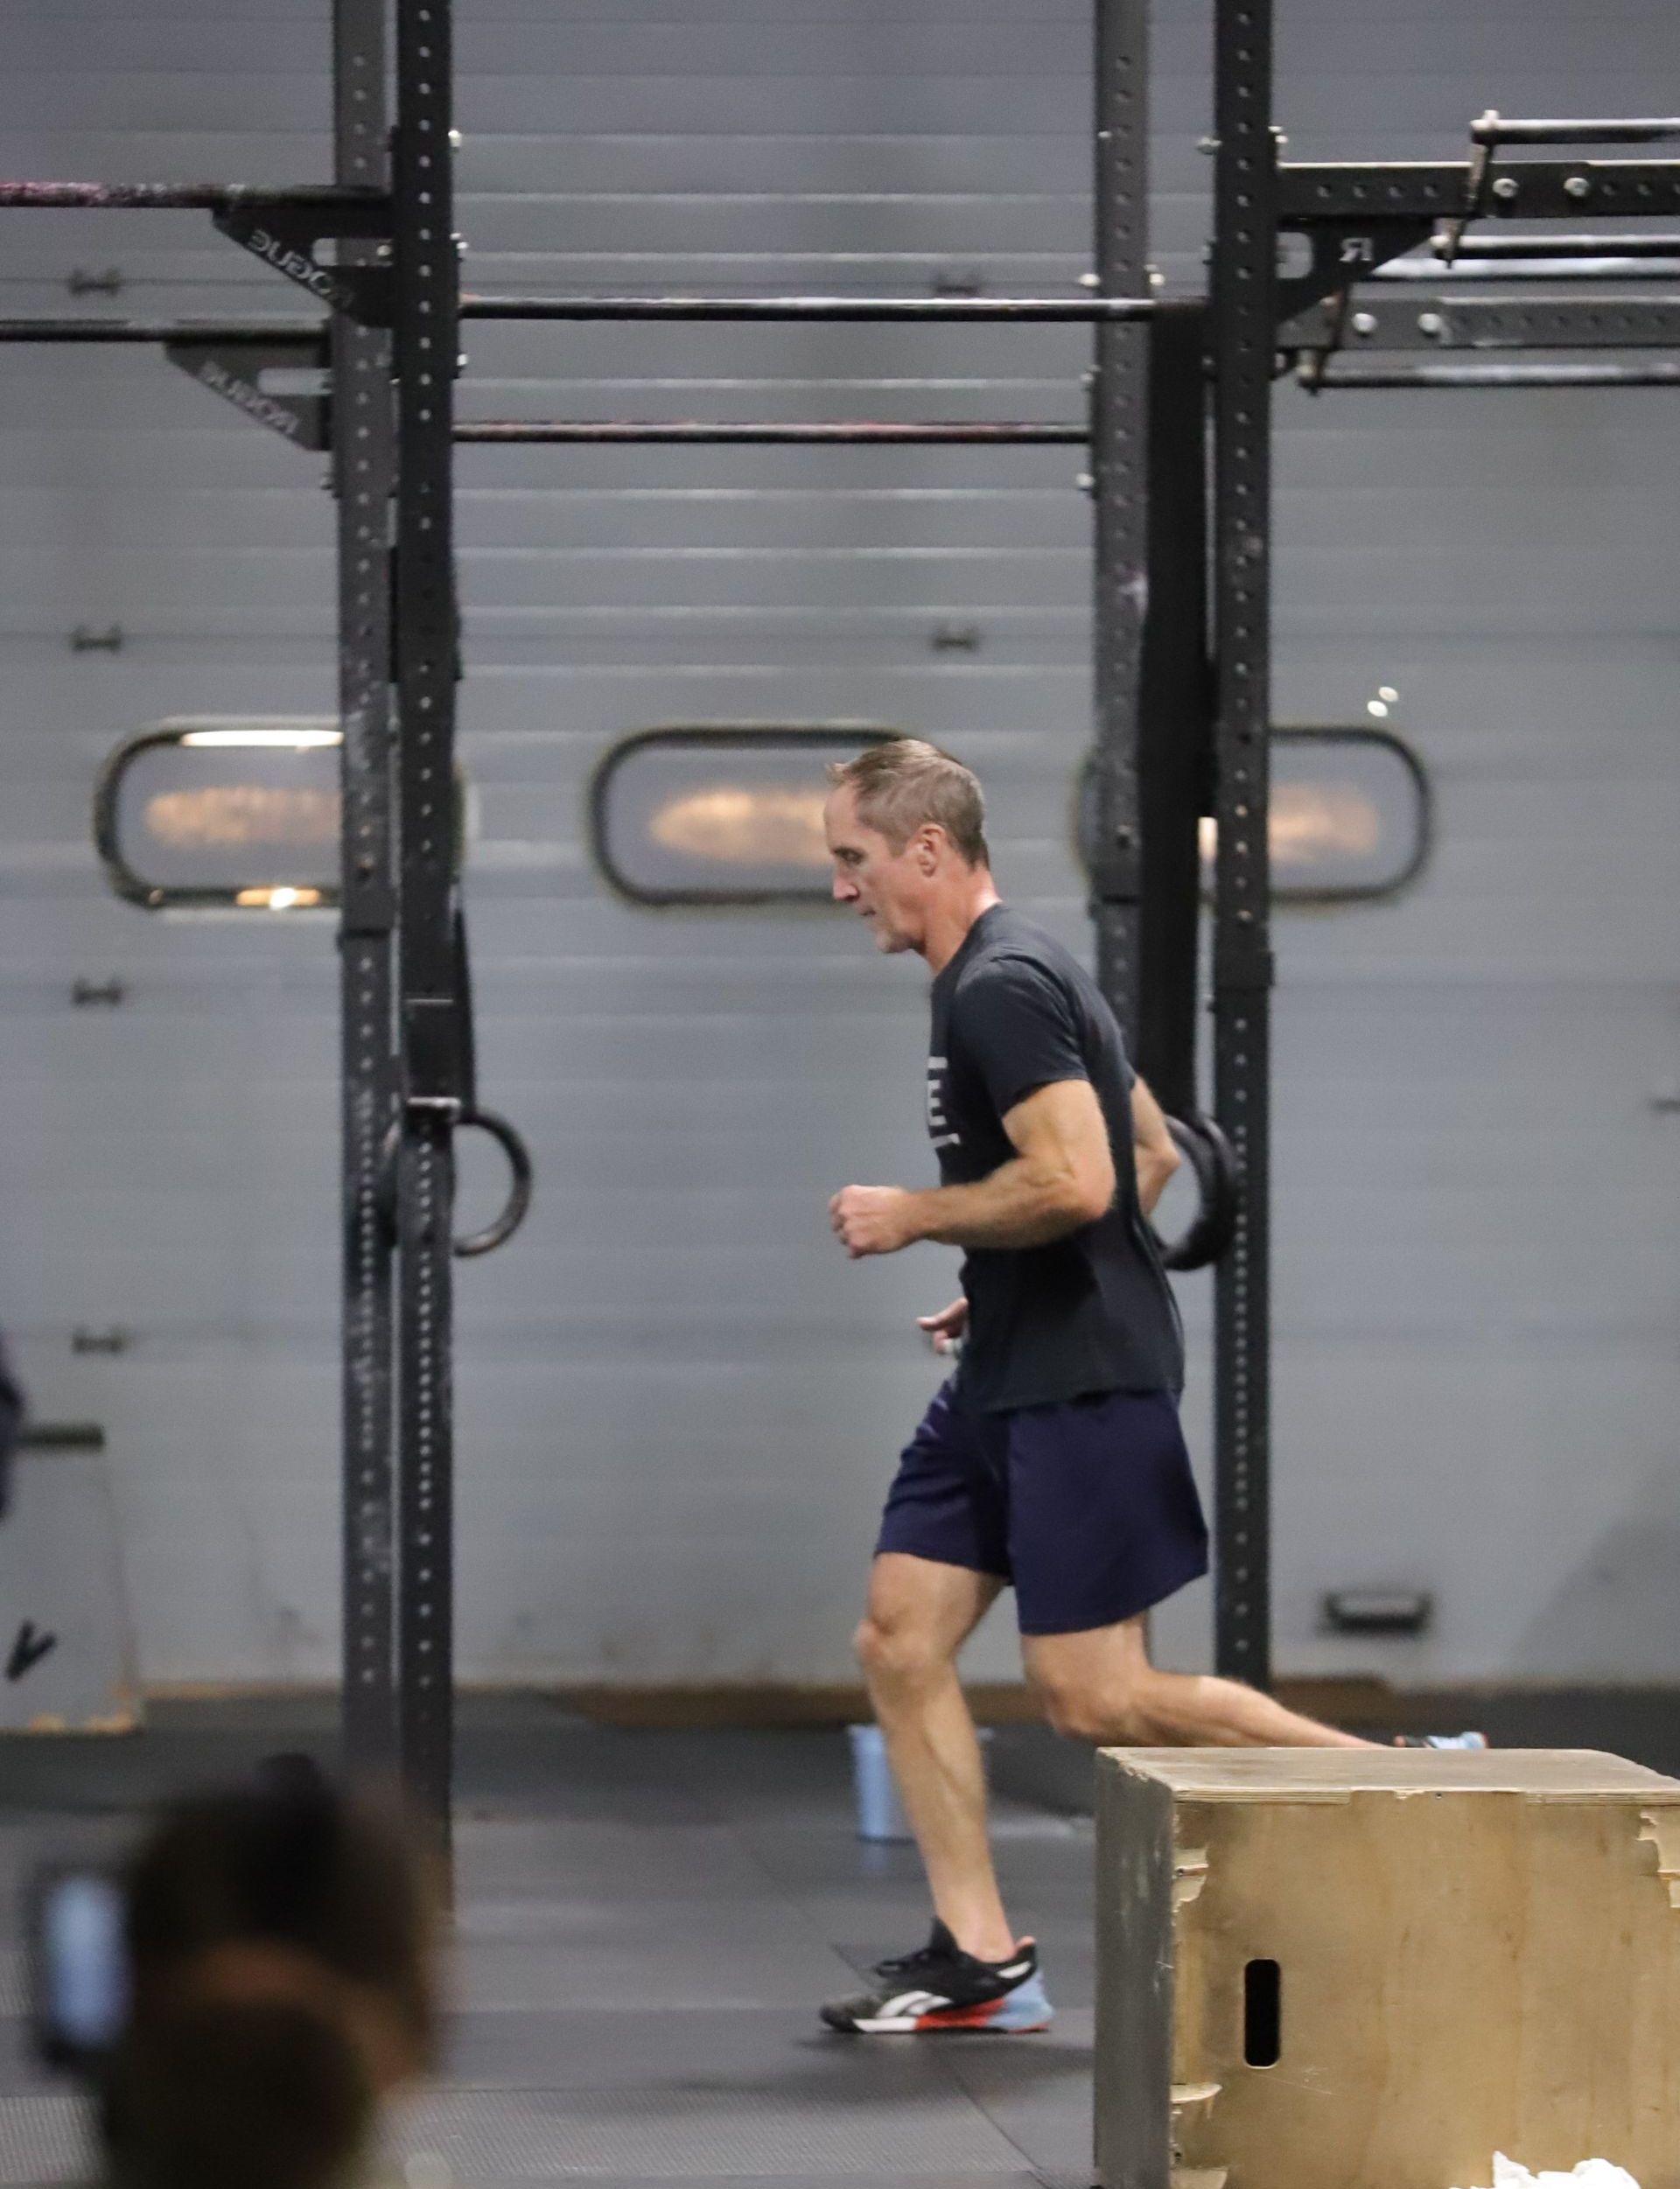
(646,1924)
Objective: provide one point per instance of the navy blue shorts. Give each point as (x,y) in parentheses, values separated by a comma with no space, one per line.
(1088,1506)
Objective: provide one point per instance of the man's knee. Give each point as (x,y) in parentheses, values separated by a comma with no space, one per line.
(1116,1714)
(898,1653)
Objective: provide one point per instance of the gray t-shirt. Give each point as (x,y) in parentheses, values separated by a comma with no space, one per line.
(1092,1311)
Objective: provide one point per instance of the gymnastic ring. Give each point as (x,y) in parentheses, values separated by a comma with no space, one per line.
(519,1193)
(1209,1153)
(515,1209)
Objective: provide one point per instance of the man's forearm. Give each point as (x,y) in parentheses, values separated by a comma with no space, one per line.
(1017,1206)
(1153,1172)
(1154,1152)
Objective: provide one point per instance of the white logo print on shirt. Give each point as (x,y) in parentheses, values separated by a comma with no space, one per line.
(939,1125)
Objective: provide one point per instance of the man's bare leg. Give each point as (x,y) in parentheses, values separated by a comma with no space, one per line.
(1100,1686)
(920,1614)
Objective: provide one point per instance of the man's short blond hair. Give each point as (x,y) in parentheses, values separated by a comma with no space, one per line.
(903,783)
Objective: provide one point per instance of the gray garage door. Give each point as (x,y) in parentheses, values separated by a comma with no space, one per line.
(677,1404)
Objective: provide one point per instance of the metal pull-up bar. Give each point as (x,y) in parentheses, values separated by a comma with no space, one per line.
(1657,374)
(224,332)
(885,311)
(1574,269)
(737,310)
(1089,311)
(837,433)
(1491,128)
(1550,258)
(864,311)
(1588,246)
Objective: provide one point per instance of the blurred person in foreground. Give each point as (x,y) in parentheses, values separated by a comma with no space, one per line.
(280,1949)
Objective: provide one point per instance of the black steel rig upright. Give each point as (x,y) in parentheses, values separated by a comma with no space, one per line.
(1119,429)
(1242,323)
(363,478)
(431,1033)
(406,1045)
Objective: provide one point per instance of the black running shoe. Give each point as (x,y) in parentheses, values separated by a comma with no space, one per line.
(939,1987)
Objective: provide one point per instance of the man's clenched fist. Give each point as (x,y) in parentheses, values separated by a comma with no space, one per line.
(872,1219)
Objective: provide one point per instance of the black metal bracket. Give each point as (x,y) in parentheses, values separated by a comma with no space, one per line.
(1344,254)
(62,1436)
(1375,1610)
(1486,323)
(1116,867)
(370,913)
(1358,217)
(395,561)
(234,371)
(1249,965)
(1373,192)
(283,234)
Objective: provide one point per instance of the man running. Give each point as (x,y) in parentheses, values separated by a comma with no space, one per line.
(1052,1460)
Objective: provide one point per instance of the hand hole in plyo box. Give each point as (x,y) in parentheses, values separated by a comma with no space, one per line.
(1263,2019)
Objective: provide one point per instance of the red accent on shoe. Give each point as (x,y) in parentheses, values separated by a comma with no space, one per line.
(973,2017)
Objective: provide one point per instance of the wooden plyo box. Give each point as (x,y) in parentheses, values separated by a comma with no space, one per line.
(1371,1969)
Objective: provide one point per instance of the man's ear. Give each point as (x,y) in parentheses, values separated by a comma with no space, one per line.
(930,841)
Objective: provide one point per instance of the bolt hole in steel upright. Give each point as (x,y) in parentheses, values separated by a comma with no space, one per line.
(1242,314)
